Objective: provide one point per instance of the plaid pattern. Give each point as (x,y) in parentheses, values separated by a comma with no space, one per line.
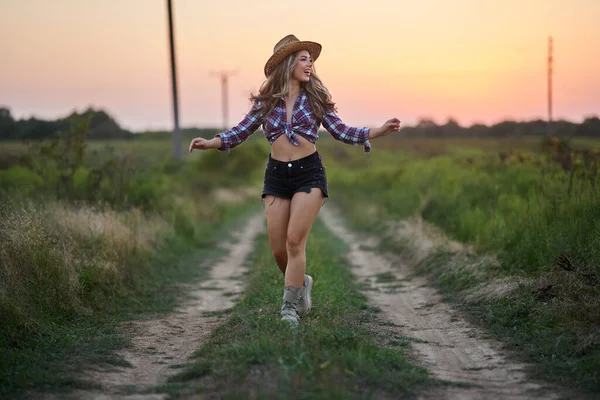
(304,123)
(242,131)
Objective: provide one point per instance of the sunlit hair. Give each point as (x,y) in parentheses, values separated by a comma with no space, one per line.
(278,84)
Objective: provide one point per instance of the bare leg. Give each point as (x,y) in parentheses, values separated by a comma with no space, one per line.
(303,211)
(278,215)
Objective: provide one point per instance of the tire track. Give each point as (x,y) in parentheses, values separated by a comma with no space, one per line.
(449,347)
(159,346)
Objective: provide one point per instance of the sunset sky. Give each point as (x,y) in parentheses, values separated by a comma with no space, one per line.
(473,60)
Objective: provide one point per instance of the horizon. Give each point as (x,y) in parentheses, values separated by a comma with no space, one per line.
(432,60)
(184,127)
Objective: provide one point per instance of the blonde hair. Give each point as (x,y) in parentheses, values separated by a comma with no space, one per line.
(277,85)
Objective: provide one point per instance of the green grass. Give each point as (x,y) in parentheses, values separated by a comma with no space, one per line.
(545,239)
(462,147)
(154,148)
(50,356)
(97,232)
(523,213)
(340,350)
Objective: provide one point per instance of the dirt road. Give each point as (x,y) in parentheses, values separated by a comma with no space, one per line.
(159,345)
(445,343)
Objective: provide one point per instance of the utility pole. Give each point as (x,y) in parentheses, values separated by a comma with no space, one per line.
(550,59)
(176,135)
(224,77)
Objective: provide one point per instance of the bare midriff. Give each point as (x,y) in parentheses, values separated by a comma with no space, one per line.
(283,150)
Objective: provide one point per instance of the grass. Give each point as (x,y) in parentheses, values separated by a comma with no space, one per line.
(153,148)
(94,233)
(78,269)
(519,211)
(541,295)
(547,329)
(468,147)
(340,350)
(63,316)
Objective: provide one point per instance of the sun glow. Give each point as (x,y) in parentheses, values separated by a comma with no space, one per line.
(472,60)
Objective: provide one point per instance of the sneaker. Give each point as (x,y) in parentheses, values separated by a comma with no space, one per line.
(289,308)
(304,304)
(289,314)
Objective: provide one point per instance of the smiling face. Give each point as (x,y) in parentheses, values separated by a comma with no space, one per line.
(303,68)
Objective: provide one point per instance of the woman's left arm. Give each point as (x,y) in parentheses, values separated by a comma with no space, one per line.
(357,136)
(391,125)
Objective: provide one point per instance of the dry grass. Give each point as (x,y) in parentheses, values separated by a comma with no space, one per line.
(495,289)
(236,196)
(555,315)
(132,228)
(422,239)
(54,257)
(38,268)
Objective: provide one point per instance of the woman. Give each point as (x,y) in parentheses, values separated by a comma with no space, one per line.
(291,105)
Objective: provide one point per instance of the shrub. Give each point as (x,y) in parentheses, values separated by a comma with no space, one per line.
(21,178)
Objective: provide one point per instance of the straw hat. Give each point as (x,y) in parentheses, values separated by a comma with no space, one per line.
(288,45)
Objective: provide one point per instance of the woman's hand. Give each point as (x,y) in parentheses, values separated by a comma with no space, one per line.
(391,125)
(204,144)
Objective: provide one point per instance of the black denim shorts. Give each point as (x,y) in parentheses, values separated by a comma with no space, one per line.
(283,178)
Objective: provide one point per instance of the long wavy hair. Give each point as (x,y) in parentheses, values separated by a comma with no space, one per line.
(277,84)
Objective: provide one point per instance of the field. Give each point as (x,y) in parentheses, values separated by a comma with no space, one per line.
(88,229)
(94,234)
(528,207)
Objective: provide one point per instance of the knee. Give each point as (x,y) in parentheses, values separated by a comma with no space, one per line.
(295,245)
(280,256)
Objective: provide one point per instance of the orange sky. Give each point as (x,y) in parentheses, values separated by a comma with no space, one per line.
(474,60)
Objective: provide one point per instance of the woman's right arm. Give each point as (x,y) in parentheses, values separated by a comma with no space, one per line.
(233,137)
(205,144)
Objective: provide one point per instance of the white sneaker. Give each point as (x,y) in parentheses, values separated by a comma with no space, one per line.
(289,307)
(290,316)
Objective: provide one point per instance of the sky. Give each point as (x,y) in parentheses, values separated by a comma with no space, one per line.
(471,60)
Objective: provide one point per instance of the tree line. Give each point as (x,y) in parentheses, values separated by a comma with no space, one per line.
(590,127)
(103,126)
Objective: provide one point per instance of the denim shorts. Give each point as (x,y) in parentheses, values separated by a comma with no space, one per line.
(283,178)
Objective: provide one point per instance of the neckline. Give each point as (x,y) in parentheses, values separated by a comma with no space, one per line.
(293,106)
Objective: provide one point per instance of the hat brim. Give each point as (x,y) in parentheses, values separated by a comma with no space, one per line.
(312,47)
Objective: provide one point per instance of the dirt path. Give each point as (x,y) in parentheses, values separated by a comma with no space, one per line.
(445,343)
(159,345)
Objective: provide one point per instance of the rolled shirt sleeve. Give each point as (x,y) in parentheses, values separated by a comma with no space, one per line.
(242,131)
(344,133)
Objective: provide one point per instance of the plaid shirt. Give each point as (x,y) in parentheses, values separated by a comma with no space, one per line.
(304,123)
